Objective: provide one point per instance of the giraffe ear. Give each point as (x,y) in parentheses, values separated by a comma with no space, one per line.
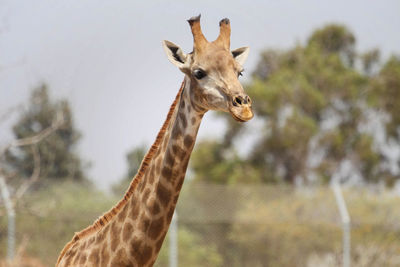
(174,54)
(240,54)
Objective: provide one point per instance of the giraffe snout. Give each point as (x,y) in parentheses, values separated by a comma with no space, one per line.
(241,107)
(240,100)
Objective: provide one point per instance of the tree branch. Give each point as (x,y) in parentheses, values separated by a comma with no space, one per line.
(33,141)
(34,177)
(41,135)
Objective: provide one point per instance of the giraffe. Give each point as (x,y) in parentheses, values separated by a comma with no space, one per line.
(132,232)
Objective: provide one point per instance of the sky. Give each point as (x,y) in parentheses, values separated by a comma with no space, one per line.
(105,57)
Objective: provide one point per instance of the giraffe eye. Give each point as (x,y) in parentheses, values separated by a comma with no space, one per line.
(199,74)
(240,73)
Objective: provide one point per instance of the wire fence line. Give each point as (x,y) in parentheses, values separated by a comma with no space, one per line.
(238,225)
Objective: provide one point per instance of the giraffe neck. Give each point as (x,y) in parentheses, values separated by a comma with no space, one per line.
(131,233)
(151,210)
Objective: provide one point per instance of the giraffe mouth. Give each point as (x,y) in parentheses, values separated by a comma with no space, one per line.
(242,114)
(237,118)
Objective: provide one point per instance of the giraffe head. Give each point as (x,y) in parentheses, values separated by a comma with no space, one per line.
(213,70)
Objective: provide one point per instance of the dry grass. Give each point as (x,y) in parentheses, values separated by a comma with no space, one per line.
(21,259)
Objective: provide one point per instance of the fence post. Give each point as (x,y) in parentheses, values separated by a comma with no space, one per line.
(344,214)
(11,218)
(173,241)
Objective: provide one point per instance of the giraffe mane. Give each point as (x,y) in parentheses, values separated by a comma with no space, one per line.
(106,217)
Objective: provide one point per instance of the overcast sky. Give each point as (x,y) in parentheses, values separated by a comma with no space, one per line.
(106,57)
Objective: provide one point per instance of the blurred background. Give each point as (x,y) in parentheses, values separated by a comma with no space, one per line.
(85,87)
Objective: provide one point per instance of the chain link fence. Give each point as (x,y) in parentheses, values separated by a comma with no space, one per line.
(223,225)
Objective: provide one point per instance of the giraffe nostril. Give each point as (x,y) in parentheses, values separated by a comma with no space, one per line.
(248,99)
(237,101)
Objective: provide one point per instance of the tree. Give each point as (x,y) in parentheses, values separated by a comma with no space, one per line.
(336,39)
(58,158)
(370,61)
(312,103)
(386,90)
(212,162)
(383,96)
(133,159)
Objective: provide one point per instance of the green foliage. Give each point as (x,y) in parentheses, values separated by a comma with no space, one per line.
(134,159)
(221,225)
(294,225)
(312,103)
(335,39)
(58,159)
(192,251)
(385,88)
(212,163)
(49,217)
(369,60)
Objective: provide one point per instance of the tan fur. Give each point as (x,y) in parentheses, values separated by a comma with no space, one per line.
(103,220)
(135,236)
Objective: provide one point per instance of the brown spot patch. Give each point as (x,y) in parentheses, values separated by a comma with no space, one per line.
(67,261)
(175,149)
(169,158)
(122,214)
(176,199)
(183,120)
(141,252)
(184,167)
(183,156)
(155,228)
(180,183)
(102,234)
(144,223)
(163,195)
(114,244)
(127,231)
(94,257)
(70,256)
(134,213)
(166,172)
(76,259)
(176,131)
(71,252)
(75,245)
(170,213)
(178,151)
(90,241)
(104,257)
(188,141)
(154,207)
(115,231)
(121,260)
(82,258)
(151,175)
(141,186)
(83,246)
(193,120)
(158,164)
